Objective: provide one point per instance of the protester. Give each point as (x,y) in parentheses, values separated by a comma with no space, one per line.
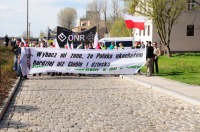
(20,63)
(157,53)
(121,45)
(86,46)
(51,45)
(115,47)
(15,51)
(103,46)
(6,40)
(112,45)
(90,46)
(13,41)
(35,45)
(137,46)
(142,45)
(150,58)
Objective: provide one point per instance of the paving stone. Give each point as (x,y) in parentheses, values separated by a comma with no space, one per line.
(83,104)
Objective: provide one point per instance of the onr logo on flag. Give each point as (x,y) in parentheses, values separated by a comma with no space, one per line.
(62,37)
(90,37)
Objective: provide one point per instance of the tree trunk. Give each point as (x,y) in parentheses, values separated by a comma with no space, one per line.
(168,51)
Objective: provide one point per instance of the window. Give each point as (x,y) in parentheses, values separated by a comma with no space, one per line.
(144,32)
(148,30)
(83,24)
(190,30)
(139,32)
(191,5)
(83,29)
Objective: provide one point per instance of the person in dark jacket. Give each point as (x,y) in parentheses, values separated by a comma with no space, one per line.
(150,59)
(15,51)
(6,40)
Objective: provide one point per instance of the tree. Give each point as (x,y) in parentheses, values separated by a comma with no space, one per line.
(67,18)
(116,10)
(104,10)
(42,34)
(94,10)
(119,29)
(164,14)
(24,34)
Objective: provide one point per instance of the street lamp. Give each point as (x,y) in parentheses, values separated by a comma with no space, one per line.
(29,33)
(27,37)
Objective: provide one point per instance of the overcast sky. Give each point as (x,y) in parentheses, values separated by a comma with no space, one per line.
(42,13)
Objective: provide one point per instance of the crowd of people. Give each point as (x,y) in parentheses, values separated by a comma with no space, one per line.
(152,53)
(17,44)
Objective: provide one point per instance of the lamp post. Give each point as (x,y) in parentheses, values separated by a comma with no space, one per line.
(27,37)
(29,33)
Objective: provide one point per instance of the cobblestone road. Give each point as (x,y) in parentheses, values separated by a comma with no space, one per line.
(95,104)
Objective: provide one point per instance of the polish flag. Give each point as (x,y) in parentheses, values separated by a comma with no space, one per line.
(134,21)
(96,42)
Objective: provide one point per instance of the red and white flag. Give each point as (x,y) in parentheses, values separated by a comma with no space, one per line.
(96,41)
(134,21)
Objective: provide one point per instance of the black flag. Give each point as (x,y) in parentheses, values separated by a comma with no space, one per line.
(64,35)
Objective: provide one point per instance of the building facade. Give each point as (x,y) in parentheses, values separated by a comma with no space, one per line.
(185,35)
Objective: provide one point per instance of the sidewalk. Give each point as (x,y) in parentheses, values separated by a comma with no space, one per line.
(182,91)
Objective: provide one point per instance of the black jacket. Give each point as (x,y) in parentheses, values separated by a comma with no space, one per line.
(150,52)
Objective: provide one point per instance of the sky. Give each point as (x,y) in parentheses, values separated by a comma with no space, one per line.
(42,14)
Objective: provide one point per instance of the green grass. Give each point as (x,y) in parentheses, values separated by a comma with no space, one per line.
(181,67)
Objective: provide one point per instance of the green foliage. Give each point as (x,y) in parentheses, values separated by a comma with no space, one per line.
(182,67)
(118,29)
(164,13)
(131,6)
(7,73)
(42,34)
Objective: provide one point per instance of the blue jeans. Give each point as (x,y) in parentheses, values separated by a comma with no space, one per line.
(19,71)
(15,63)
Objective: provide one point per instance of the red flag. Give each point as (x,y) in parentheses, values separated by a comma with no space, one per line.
(134,21)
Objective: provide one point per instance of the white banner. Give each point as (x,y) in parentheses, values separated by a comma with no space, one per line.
(88,61)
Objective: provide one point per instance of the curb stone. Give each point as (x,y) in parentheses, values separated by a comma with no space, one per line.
(191,100)
(8,99)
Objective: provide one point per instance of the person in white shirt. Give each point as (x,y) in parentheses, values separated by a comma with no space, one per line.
(157,53)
